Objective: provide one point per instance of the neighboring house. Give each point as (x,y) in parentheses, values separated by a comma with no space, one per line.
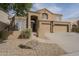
(42,21)
(73,21)
(4,21)
(20,23)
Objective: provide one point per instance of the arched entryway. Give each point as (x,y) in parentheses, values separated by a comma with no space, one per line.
(34,20)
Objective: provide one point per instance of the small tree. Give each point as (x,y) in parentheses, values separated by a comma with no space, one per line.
(77,29)
(1,34)
(74,27)
(78,23)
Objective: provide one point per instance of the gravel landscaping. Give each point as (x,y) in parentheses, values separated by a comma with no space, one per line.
(11,48)
(54,44)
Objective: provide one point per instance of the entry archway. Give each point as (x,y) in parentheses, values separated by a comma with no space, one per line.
(34,23)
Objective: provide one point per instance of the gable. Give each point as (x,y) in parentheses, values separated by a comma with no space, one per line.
(51,16)
(46,10)
(43,11)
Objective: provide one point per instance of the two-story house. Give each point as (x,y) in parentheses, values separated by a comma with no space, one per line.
(42,21)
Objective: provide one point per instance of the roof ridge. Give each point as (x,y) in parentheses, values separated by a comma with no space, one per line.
(49,11)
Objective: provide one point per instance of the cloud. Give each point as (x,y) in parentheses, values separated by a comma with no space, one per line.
(52,7)
(71,12)
(72,15)
(68,10)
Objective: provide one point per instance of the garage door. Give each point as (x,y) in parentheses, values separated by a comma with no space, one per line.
(44,28)
(60,28)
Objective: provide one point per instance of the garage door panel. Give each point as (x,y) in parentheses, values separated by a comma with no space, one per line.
(60,28)
(44,28)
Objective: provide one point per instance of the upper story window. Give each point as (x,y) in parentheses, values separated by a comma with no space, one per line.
(44,16)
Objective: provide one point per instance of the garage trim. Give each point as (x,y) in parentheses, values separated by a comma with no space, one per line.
(61,25)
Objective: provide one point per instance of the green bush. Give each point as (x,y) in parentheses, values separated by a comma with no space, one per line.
(1,34)
(77,30)
(26,33)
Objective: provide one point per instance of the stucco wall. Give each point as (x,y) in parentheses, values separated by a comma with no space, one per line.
(51,16)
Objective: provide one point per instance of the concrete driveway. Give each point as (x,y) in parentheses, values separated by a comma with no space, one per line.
(68,41)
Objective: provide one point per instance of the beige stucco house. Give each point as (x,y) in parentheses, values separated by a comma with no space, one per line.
(42,21)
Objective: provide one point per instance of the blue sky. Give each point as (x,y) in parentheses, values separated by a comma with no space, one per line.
(69,10)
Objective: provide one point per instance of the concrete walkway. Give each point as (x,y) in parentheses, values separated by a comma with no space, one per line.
(68,41)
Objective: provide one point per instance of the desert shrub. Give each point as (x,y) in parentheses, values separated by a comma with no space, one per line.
(74,27)
(1,34)
(4,35)
(77,30)
(24,46)
(26,33)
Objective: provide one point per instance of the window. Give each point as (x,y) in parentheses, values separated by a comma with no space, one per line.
(44,16)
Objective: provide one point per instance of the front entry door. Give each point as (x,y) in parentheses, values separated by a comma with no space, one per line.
(33,25)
